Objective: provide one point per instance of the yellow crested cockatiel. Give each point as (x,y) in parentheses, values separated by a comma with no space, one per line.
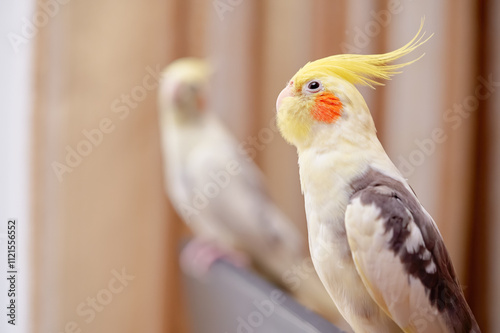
(220,194)
(375,248)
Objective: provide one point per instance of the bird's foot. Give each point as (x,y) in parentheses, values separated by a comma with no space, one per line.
(199,255)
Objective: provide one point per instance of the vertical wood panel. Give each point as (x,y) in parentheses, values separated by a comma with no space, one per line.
(234,56)
(367,23)
(417,102)
(186,36)
(414,97)
(328,27)
(484,267)
(197,13)
(287,42)
(490,300)
(457,162)
(109,212)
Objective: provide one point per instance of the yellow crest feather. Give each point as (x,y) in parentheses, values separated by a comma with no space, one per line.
(358,68)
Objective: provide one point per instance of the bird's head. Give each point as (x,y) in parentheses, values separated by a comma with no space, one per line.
(321,97)
(183,88)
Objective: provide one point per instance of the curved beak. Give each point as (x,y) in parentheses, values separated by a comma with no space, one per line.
(287,92)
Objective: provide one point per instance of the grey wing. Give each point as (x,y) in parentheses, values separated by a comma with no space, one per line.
(403,262)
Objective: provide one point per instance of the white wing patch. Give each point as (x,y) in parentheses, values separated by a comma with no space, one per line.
(402,296)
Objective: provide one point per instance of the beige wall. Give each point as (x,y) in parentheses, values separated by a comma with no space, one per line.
(104,212)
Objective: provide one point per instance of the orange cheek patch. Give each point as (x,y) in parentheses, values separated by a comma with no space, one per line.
(327,108)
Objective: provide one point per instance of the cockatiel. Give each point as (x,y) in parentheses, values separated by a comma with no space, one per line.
(375,248)
(219,192)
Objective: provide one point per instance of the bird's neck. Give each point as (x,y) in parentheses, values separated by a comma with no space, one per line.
(180,133)
(340,156)
(328,167)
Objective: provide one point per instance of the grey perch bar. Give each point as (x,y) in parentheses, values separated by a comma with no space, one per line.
(231,299)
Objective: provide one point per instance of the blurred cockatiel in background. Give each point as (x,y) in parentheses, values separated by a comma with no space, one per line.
(220,194)
(376,249)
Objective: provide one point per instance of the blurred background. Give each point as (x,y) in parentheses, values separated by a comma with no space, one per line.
(81,167)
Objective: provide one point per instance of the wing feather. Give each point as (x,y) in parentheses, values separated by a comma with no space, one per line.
(402,261)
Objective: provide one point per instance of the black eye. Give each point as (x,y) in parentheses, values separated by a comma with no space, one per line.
(313,86)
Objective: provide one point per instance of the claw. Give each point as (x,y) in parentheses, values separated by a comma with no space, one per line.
(199,255)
